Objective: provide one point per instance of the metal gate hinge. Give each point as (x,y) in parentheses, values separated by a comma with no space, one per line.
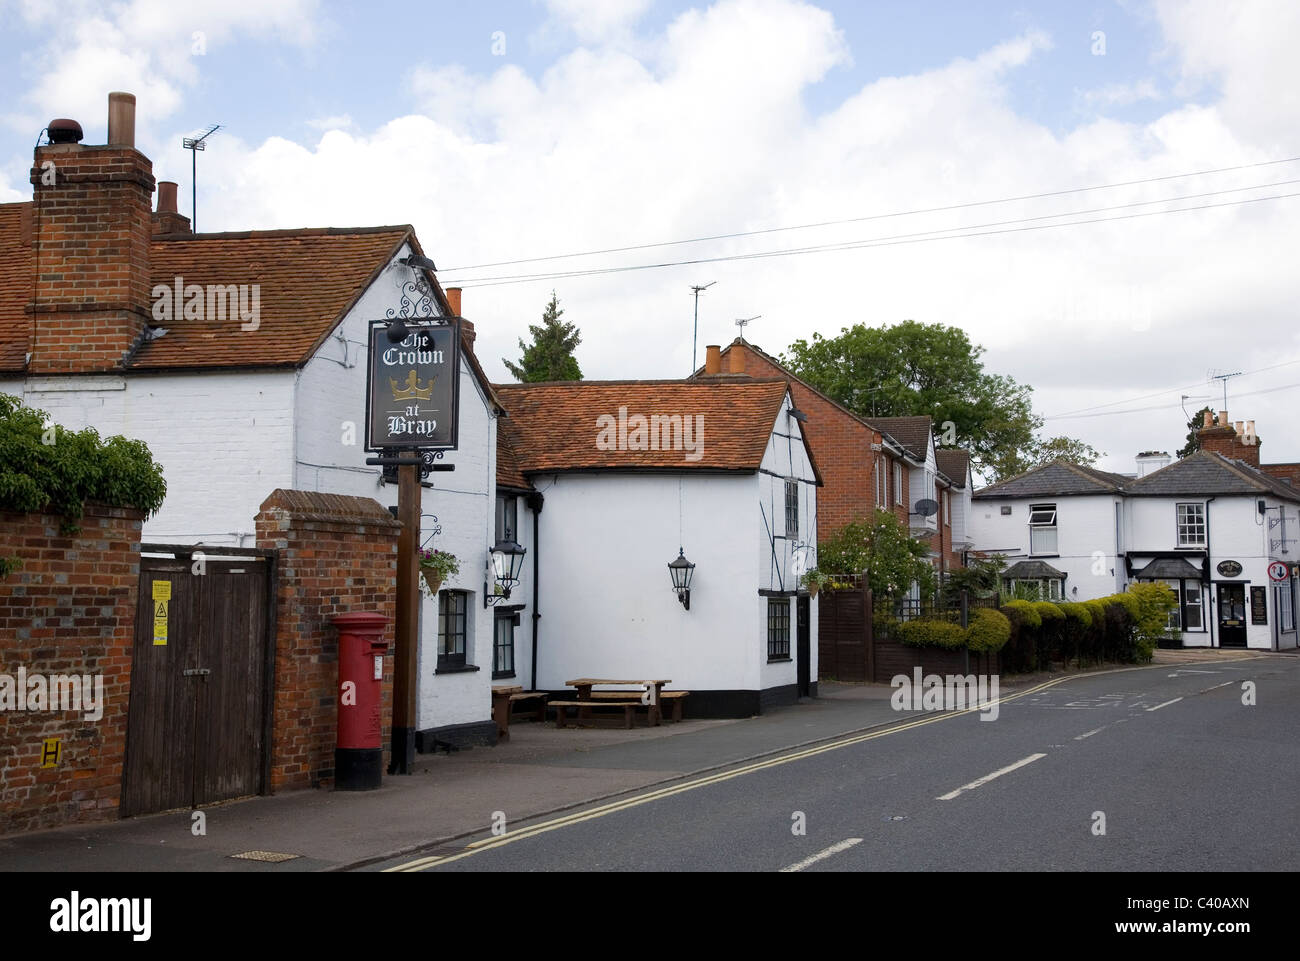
(200,671)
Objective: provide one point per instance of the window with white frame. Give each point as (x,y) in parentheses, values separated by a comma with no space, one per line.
(1192,619)
(1286,606)
(503,643)
(1042,529)
(947,508)
(1191,525)
(792,509)
(898,482)
(1175,622)
(507,526)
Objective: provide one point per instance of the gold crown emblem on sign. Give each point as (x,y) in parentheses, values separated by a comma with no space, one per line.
(412,390)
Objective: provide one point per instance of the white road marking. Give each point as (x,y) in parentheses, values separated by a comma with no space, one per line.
(1089,734)
(989,777)
(1166,704)
(1183,670)
(821,855)
(1217,686)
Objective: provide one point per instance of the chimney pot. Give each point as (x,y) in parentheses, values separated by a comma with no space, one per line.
(1207,419)
(1223,418)
(453,300)
(713,359)
(467,333)
(737,358)
(63,130)
(167,197)
(121,119)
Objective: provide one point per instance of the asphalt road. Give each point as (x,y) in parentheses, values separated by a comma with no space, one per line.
(1185,776)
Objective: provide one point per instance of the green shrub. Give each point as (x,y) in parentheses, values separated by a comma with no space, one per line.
(1076,613)
(1047,611)
(988,632)
(45,467)
(1023,614)
(931,633)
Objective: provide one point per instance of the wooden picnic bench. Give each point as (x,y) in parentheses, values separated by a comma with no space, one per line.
(504,700)
(673,699)
(584,685)
(584,707)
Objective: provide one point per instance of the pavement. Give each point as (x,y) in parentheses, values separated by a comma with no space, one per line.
(542,770)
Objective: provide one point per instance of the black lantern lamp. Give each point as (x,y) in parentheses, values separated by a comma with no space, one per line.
(681,571)
(507,559)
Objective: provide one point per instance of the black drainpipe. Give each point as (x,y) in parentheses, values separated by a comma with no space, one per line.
(1214,601)
(535,501)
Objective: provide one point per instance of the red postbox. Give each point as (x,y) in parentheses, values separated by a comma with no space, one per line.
(359,754)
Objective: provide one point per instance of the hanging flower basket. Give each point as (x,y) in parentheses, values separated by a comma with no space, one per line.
(435,567)
(432,580)
(813,587)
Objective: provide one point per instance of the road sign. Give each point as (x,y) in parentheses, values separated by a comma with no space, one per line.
(1277,571)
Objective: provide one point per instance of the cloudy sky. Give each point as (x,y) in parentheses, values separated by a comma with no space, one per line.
(513,131)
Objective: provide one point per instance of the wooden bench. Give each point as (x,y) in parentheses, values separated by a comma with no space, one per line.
(504,701)
(666,698)
(629,707)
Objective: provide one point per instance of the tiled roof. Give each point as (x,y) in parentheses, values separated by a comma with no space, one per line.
(1207,472)
(1058,478)
(954,464)
(554,426)
(508,472)
(16,284)
(912,433)
(1168,567)
(1201,474)
(1025,570)
(308,279)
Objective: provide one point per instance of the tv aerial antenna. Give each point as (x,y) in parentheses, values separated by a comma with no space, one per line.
(1222,376)
(742,322)
(194,145)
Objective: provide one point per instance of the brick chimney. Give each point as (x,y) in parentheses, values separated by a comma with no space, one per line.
(92,232)
(713,359)
(736,359)
(1236,442)
(167,219)
(467,333)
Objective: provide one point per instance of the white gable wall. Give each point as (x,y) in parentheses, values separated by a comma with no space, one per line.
(224,440)
(1085,539)
(458,510)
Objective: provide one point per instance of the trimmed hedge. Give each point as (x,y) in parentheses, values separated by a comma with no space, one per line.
(1122,628)
(1023,614)
(930,633)
(989,631)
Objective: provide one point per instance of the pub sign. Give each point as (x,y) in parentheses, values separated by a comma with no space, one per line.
(413,388)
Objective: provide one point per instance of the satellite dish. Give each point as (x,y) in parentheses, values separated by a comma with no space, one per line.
(926,507)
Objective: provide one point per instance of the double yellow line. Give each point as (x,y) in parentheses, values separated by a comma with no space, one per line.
(488,844)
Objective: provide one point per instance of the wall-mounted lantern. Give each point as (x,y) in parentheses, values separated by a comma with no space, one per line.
(506,560)
(681,571)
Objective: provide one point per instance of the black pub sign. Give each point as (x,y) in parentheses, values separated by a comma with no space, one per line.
(413,388)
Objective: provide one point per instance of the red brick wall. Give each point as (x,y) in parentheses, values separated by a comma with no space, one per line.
(1225,441)
(1284,472)
(338,554)
(92,226)
(70,609)
(841,446)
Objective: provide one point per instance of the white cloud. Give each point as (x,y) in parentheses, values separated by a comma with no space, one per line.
(704,129)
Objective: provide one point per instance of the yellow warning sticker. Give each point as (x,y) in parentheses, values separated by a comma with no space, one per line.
(162,590)
(159,623)
(51,752)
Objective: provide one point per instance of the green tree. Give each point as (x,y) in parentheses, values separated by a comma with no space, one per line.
(882,550)
(981,577)
(914,368)
(550,355)
(1193,441)
(1011,462)
(46,467)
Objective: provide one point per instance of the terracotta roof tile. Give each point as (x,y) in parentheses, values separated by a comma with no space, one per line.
(555,426)
(307,279)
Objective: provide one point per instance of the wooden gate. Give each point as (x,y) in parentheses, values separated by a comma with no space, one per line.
(844,644)
(199,720)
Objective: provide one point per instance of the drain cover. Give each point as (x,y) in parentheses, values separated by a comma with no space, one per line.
(273,857)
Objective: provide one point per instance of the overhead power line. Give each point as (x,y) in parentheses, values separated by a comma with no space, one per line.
(1140,410)
(868,217)
(951,233)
